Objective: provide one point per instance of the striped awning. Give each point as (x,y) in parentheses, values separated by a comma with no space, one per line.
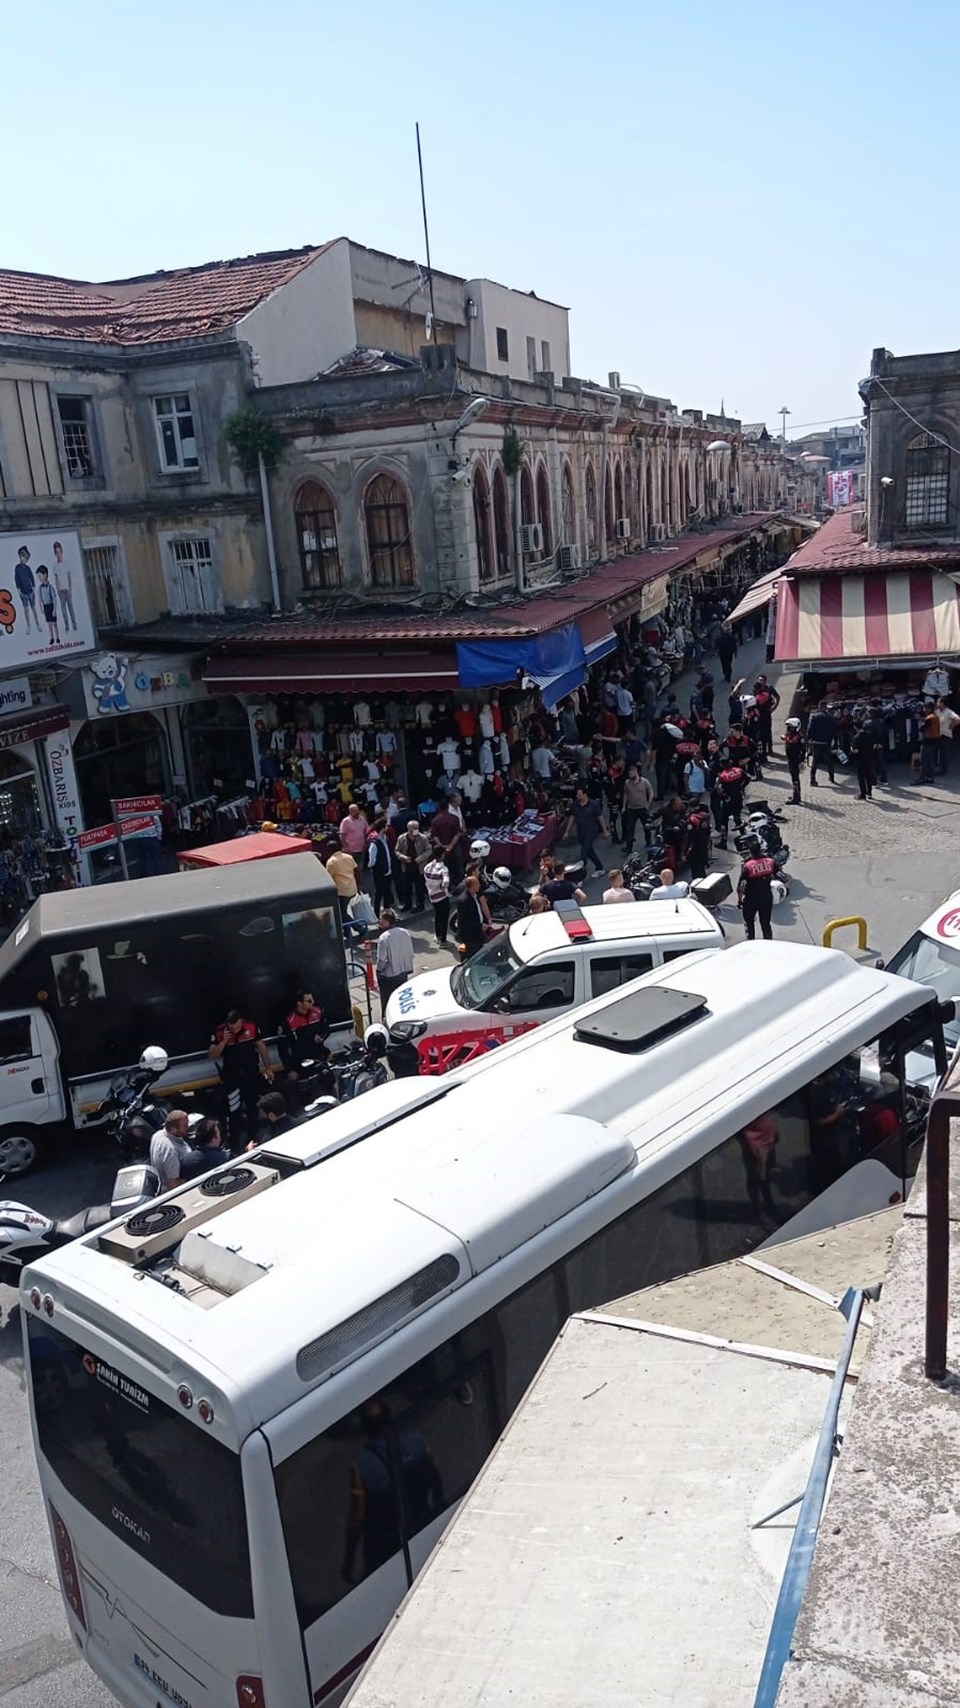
(867,617)
(757,596)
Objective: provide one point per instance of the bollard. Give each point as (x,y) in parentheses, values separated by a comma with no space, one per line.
(833,925)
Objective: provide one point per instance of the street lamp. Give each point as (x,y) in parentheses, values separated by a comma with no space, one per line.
(783,412)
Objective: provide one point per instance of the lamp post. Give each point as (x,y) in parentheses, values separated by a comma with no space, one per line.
(783,412)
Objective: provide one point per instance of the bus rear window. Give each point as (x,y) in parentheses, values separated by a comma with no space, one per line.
(167,1490)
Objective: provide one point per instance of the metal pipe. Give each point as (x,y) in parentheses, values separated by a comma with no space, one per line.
(268,525)
(800,1558)
(938,1237)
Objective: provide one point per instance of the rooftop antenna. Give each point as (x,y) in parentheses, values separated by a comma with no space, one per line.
(426,237)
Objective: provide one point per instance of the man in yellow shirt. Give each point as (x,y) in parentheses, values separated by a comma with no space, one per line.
(343,870)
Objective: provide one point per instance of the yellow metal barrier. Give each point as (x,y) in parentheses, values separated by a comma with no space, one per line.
(833,925)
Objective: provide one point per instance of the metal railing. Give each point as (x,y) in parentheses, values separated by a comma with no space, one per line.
(944,1108)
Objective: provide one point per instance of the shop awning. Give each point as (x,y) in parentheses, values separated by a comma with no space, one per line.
(32,724)
(598,635)
(757,596)
(847,618)
(264,845)
(327,673)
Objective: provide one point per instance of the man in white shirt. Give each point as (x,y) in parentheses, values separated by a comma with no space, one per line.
(617,891)
(170,1149)
(668,889)
(948,724)
(542,761)
(394,957)
(625,707)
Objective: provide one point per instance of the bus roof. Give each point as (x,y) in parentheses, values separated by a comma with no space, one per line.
(539,933)
(453,1175)
(67,913)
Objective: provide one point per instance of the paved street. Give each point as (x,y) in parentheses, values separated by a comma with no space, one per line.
(891,859)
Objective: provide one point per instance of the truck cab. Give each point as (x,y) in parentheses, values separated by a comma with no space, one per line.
(31,1093)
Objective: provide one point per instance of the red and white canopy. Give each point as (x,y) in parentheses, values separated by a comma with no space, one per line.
(858,617)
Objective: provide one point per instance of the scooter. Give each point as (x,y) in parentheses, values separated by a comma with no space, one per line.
(25,1234)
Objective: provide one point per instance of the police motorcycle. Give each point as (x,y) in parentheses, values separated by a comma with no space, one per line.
(132,1114)
(760,827)
(26,1234)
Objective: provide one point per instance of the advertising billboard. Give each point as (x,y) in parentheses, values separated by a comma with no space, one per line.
(44,610)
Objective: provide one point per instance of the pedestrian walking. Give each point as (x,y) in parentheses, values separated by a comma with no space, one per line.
(353,832)
(863,749)
(473,918)
(380,862)
(754,889)
(821,739)
(637,801)
(587,816)
(411,854)
(929,744)
(436,877)
(394,957)
(949,723)
(726,651)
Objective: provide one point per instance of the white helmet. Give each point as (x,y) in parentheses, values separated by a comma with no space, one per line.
(778,891)
(479,848)
(757,821)
(674,730)
(793,723)
(748,702)
(155,1059)
(502,877)
(376,1039)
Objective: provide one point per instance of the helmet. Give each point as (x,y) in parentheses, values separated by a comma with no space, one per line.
(375,1039)
(778,891)
(673,730)
(479,848)
(757,821)
(502,877)
(154,1059)
(747,702)
(793,723)
(268,824)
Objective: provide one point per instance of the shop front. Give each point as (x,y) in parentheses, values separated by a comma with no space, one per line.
(39,808)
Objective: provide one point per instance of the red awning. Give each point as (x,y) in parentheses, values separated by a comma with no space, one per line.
(847,618)
(265,845)
(32,724)
(332,673)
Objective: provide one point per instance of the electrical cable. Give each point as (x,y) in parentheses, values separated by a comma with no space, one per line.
(904,411)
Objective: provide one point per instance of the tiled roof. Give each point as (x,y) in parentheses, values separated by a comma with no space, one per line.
(840,548)
(190,302)
(609,586)
(362,361)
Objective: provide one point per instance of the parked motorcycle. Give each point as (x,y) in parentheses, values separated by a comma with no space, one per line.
(25,1234)
(132,1114)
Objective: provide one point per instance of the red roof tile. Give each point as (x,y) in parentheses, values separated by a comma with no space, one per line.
(190,302)
(608,586)
(840,548)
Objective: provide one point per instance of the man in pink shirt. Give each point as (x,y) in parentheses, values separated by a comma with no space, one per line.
(353,832)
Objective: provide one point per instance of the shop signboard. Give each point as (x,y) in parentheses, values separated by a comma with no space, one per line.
(142,824)
(63,784)
(101,837)
(44,609)
(137,804)
(841,488)
(115,683)
(15,695)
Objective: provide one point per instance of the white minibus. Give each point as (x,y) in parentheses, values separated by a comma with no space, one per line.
(256,1403)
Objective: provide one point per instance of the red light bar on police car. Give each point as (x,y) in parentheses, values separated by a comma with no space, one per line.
(572,918)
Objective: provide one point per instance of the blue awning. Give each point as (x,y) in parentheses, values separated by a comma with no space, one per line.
(557,656)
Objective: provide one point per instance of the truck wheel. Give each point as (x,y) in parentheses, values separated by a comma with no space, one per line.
(21,1148)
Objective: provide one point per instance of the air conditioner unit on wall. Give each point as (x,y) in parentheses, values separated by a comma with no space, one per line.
(531,539)
(658,532)
(623,527)
(568,557)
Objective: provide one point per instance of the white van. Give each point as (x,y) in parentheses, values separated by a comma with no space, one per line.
(548,963)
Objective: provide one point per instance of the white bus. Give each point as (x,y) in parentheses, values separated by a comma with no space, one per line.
(256,1403)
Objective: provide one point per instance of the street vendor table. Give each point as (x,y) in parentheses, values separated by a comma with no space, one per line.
(519,845)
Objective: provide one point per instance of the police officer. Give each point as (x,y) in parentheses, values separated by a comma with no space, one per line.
(795,749)
(730,786)
(754,892)
(244,1063)
(767,700)
(301,1035)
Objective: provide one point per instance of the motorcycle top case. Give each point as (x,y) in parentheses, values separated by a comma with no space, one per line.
(713,889)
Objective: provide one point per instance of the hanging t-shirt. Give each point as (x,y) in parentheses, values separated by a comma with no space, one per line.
(391,712)
(471,786)
(424,711)
(486,761)
(504,746)
(356,740)
(386,741)
(450,756)
(486,723)
(466,721)
(361,714)
(373,770)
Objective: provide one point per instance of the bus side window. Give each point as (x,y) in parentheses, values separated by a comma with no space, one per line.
(523,1329)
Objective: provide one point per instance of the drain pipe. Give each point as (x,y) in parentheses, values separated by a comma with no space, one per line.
(268,525)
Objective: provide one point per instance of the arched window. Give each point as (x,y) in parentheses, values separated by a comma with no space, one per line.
(316,523)
(387,519)
(568,508)
(592,536)
(544,516)
(928,481)
(618,508)
(501,522)
(481,524)
(527,513)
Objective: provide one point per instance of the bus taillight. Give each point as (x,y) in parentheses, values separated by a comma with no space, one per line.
(250,1692)
(67,1566)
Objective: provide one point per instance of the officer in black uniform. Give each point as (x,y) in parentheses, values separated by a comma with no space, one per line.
(754,891)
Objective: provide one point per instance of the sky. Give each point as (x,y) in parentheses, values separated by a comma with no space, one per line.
(737,201)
